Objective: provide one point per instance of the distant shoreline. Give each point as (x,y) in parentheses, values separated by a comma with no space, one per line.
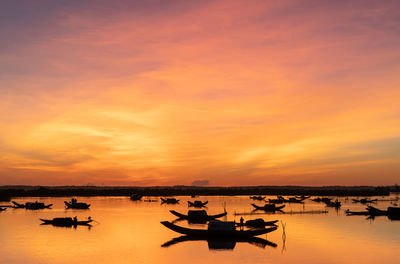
(57,191)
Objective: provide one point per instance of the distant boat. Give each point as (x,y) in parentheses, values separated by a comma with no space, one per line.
(259,198)
(268,207)
(218,229)
(335,204)
(73,204)
(136,197)
(197,204)
(257,223)
(32,206)
(364,200)
(169,200)
(65,221)
(197,215)
(2,209)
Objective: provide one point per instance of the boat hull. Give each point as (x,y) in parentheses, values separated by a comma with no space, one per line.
(216,233)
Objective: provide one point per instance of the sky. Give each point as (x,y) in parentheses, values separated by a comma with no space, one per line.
(225,93)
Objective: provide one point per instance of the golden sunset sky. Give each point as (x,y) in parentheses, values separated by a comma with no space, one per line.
(170,92)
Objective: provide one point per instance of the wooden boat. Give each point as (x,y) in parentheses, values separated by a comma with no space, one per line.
(65,221)
(268,207)
(259,198)
(197,204)
(136,197)
(364,201)
(214,231)
(73,204)
(275,201)
(32,206)
(348,212)
(169,200)
(258,223)
(197,215)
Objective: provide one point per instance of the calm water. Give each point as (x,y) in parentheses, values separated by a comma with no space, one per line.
(130,232)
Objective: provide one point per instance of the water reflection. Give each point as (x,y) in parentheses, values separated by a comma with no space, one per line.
(222,243)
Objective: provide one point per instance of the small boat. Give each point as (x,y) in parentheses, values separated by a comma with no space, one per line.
(218,229)
(197,215)
(302,197)
(65,221)
(275,201)
(364,200)
(268,207)
(197,204)
(257,223)
(169,200)
(136,197)
(73,204)
(259,198)
(2,209)
(348,212)
(32,206)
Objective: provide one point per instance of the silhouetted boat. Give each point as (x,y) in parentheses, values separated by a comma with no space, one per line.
(2,209)
(218,229)
(259,198)
(136,197)
(216,243)
(197,215)
(302,197)
(32,206)
(275,201)
(348,212)
(65,221)
(169,200)
(257,223)
(73,204)
(323,200)
(364,201)
(268,207)
(197,204)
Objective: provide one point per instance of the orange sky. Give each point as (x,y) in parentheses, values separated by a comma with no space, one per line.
(169,92)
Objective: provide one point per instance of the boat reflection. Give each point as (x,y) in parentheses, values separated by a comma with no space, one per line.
(221,243)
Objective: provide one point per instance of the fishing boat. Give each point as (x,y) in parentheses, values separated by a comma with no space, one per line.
(259,198)
(275,201)
(73,204)
(169,200)
(31,206)
(364,200)
(197,215)
(257,223)
(197,204)
(136,197)
(348,212)
(2,209)
(268,207)
(218,229)
(65,221)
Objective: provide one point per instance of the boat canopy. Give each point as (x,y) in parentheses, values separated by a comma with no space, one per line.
(221,226)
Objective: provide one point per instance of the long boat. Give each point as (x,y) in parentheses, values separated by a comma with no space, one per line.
(200,215)
(259,198)
(257,223)
(197,204)
(65,221)
(217,233)
(268,207)
(32,206)
(73,204)
(169,200)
